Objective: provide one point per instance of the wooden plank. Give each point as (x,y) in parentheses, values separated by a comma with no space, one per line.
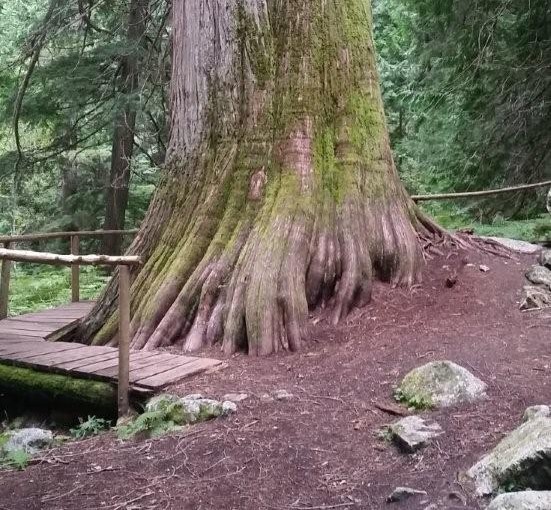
(137,365)
(196,366)
(160,368)
(23,319)
(41,360)
(52,360)
(28,349)
(10,337)
(15,331)
(101,365)
(30,326)
(80,364)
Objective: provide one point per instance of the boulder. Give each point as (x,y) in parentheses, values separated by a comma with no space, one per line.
(521,460)
(440,384)
(540,276)
(545,258)
(515,244)
(526,500)
(403,493)
(412,433)
(535,298)
(189,409)
(31,440)
(540,411)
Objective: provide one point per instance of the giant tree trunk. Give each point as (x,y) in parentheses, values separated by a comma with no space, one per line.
(280,193)
(116,196)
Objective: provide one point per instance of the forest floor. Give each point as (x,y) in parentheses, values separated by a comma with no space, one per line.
(321,449)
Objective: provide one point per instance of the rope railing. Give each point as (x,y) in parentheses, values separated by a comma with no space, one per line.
(483,193)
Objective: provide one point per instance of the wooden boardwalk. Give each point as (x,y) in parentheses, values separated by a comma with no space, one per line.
(26,341)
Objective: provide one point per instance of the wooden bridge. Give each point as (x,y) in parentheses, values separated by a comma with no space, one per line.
(33,340)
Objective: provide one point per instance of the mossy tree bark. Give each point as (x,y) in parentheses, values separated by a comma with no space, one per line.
(280,193)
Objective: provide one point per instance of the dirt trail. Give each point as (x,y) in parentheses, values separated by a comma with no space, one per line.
(320,450)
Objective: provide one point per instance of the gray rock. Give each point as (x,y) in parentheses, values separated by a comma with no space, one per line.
(521,460)
(194,396)
(403,493)
(228,407)
(545,258)
(266,398)
(532,412)
(535,298)
(187,410)
(440,384)
(283,395)
(527,500)
(31,440)
(515,245)
(160,402)
(235,397)
(412,433)
(539,275)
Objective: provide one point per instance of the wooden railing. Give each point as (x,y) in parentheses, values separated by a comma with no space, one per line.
(7,256)
(10,241)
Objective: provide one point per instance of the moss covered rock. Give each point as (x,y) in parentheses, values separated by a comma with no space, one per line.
(525,500)
(522,460)
(30,440)
(440,384)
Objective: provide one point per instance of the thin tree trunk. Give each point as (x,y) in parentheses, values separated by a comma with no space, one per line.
(123,134)
(280,194)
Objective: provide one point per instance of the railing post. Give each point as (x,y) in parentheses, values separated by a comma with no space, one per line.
(75,271)
(124,340)
(5,284)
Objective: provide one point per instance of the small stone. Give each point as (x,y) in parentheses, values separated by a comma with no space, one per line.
(31,440)
(525,500)
(484,268)
(403,493)
(266,398)
(545,258)
(539,275)
(540,411)
(412,433)
(283,395)
(228,407)
(235,397)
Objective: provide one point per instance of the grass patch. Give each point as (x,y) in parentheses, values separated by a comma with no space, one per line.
(37,287)
(453,218)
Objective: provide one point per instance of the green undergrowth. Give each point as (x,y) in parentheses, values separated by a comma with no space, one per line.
(90,427)
(533,229)
(34,288)
(417,402)
(151,424)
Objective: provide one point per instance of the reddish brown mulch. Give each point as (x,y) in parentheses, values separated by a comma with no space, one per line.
(321,450)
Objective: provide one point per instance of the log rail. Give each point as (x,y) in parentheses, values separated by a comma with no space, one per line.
(74,260)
